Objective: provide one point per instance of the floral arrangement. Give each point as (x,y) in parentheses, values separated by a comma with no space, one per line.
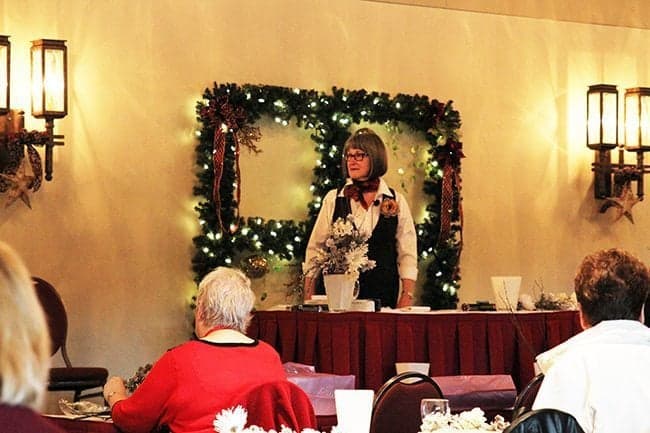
(548,301)
(466,421)
(345,251)
(556,301)
(134,381)
(234,421)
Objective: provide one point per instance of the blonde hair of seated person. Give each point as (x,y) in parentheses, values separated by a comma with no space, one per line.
(24,337)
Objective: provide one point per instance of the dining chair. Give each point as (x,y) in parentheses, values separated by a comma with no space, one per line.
(68,378)
(397,402)
(277,403)
(544,421)
(525,399)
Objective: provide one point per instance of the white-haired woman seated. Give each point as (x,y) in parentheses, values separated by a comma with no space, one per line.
(192,382)
(24,349)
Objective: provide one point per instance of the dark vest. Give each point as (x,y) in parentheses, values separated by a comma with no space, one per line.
(381,282)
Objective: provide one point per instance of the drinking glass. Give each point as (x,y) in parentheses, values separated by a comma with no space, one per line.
(434,405)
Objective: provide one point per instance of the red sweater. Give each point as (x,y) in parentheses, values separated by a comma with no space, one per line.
(192,382)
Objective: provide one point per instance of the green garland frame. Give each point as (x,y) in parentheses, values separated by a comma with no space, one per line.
(228,114)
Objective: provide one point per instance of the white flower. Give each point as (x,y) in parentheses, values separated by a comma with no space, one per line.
(435,421)
(230,420)
(345,251)
(469,420)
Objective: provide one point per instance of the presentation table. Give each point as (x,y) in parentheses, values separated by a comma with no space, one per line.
(367,345)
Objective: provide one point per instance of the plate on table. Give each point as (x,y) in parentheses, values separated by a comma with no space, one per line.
(83,408)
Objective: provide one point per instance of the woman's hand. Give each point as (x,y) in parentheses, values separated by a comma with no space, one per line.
(406,294)
(114,390)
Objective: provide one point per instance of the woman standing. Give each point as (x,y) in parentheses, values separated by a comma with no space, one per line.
(378,211)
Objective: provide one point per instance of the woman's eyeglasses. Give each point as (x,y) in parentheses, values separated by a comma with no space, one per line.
(356,156)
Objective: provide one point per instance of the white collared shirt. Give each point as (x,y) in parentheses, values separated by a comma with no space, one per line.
(601,377)
(366,220)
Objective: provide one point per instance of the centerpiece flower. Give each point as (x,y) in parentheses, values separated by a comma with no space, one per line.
(469,421)
(345,251)
(233,420)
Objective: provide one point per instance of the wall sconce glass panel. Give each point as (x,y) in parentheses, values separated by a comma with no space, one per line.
(602,116)
(49,79)
(637,118)
(5,73)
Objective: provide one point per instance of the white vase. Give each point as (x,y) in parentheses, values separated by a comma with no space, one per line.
(339,289)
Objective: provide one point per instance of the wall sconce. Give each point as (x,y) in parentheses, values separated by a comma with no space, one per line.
(612,181)
(49,100)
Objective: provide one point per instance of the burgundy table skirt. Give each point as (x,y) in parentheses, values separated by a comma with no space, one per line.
(367,345)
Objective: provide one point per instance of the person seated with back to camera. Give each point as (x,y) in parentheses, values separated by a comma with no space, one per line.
(24,349)
(602,375)
(194,381)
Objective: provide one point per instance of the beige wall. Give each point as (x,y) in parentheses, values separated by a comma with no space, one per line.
(113,230)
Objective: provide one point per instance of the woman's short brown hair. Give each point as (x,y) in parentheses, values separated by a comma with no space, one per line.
(611,285)
(365,139)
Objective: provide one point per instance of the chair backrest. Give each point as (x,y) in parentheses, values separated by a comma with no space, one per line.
(526,398)
(278,403)
(397,402)
(545,421)
(55,314)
